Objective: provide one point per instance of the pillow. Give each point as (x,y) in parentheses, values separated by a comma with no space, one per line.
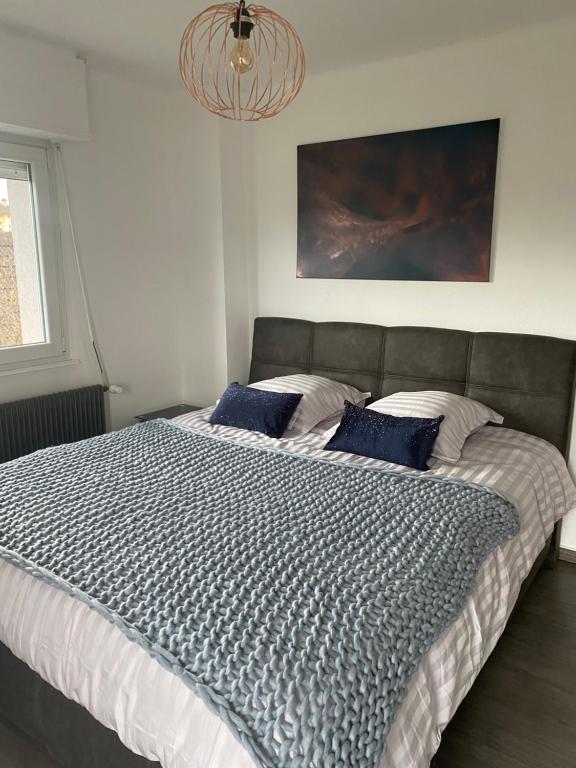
(398,439)
(322,398)
(255,410)
(463,416)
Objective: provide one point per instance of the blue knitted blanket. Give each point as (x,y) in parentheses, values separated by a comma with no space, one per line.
(295,595)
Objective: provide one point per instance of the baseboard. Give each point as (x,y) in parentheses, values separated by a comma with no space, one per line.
(568,555)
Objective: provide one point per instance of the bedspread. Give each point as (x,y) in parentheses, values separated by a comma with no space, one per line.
(296,596)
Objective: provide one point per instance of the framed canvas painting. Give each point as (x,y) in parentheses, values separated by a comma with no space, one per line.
(416,205)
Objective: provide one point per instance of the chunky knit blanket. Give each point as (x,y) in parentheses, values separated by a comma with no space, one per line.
(295,595)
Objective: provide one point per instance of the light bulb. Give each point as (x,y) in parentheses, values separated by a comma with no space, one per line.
(242,58)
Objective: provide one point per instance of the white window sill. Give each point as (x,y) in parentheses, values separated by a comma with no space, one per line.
(30,367)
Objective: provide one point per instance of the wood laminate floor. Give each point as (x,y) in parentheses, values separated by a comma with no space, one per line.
(521,712)
(16,751)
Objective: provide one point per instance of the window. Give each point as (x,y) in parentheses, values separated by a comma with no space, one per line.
(30,313)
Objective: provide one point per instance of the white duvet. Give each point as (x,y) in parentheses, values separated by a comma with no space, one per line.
(78,652)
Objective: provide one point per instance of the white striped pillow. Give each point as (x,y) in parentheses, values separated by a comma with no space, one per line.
(463,416)
(322,398)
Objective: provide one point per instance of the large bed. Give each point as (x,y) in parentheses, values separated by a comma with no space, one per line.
(117,683)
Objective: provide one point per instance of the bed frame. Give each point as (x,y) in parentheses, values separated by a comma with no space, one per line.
(530,380)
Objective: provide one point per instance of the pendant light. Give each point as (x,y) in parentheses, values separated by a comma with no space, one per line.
(242,62)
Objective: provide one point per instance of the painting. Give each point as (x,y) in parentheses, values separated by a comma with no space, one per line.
(416,205)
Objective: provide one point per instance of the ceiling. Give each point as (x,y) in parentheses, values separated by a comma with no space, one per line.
(140,37)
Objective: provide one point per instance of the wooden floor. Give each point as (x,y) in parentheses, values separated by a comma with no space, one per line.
(521,712)
(18,752)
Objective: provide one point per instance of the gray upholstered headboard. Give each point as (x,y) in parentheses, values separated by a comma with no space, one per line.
(528,379)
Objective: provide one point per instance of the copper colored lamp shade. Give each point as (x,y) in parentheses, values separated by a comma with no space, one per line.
(242,62)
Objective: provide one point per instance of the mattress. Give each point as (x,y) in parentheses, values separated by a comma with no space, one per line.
(156,715)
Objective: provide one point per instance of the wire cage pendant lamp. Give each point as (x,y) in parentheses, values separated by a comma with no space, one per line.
(242,62)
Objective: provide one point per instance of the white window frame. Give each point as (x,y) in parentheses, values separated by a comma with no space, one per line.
(40,157)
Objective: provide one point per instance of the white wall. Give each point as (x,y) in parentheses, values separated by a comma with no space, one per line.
(238,231)
(143,193)
(145,196)
(187,225)
(42,89)
(527,79)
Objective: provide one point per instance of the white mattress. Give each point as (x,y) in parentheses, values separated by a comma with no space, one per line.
(78,652)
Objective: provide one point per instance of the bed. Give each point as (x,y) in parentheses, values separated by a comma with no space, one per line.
(529,379)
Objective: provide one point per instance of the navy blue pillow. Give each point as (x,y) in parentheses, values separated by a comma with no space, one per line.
(255,409)
(399,439)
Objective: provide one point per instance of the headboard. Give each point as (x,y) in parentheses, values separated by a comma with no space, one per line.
(530,380)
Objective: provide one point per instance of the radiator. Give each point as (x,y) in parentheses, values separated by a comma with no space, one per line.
(27,425)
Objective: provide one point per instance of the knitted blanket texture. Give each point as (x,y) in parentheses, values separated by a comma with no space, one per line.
(295,595)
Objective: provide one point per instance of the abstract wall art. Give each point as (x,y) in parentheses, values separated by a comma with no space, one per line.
(416,205)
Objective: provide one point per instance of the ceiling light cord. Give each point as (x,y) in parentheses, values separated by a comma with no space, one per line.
(114,389)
